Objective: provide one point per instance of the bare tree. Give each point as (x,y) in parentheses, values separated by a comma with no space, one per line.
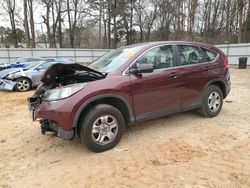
(10,7)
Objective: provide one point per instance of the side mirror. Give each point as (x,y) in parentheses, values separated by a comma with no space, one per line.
(142,68)
(38,69)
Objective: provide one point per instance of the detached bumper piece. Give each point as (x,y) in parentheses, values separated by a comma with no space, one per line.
(33,103)
(7,85)
(47,126)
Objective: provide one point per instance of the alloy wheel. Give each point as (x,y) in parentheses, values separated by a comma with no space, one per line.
(104,129)
(214,101)
(23,85)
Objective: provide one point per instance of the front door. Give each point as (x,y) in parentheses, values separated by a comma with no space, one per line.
(157,93)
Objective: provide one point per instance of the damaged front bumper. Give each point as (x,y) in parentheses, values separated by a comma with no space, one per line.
(50,126)
(7,85)
(50,120)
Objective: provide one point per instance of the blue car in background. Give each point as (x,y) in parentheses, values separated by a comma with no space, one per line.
(20,62)
(24,78)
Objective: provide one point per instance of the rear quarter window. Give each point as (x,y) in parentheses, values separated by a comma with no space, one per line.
(210,55)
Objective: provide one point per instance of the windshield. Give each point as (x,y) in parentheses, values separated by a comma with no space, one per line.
(114,59)
(31,65)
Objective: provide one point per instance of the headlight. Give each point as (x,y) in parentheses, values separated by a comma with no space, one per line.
(63,92)
(11,76)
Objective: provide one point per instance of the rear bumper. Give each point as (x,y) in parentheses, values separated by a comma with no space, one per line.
(228,89)
(228,83)
(7,85)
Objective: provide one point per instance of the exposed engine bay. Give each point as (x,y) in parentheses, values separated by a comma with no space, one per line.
(61,75)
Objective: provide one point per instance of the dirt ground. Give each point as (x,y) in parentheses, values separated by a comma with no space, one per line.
(182,150)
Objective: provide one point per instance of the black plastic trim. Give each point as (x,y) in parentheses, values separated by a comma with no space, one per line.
(168,111)
(103,96)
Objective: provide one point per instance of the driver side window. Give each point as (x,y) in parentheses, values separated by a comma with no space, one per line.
(160,57)
(189,55)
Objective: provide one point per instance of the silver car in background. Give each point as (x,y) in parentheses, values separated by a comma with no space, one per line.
(25,78)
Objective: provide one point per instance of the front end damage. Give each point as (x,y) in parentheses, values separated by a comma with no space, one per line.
(50,126)
(51,104)
(4,66)
(7,85)
(8,78)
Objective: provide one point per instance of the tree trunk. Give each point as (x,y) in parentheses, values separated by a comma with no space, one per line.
(32,25)
(13,27)
(26,24)
(100,23)
(60,40)
(48,27)
(240,7)
(115,32)
(54,25)
(71,37)
(109,24)
(105,45)
(131,22)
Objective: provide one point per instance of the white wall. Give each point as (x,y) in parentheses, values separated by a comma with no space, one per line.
(80,55)
(233,51)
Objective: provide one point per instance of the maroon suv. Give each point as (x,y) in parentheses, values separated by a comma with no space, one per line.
(128,85)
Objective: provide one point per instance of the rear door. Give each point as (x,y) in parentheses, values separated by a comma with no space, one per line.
(196,70)
(156,93)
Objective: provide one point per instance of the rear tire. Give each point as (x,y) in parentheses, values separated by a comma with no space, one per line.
(212,102)
(23,84)
(101,128)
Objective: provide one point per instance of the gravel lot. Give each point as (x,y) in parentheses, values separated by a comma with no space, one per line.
(182,150)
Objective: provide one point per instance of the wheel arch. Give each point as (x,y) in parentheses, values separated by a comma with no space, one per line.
(111,99)
(218,82)
(24,77)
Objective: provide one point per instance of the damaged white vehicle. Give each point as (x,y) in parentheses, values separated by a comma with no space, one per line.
(23,79)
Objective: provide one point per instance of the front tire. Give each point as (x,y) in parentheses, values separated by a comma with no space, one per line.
(23,84)
(101,128)
(212,101)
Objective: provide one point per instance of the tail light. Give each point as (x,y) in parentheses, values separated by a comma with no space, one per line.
(226,62)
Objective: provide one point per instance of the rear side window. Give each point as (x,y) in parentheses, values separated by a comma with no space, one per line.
(210,55)
(161,57)
(190,55)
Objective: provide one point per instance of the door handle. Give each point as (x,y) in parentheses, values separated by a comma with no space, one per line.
(206,67)
(174,74)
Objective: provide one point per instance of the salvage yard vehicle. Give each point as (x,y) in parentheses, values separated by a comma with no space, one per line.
(20,62)
(25,78)
(23,62)
(128,85)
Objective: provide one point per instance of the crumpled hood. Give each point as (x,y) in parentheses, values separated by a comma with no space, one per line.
(5,72)
(57,69)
